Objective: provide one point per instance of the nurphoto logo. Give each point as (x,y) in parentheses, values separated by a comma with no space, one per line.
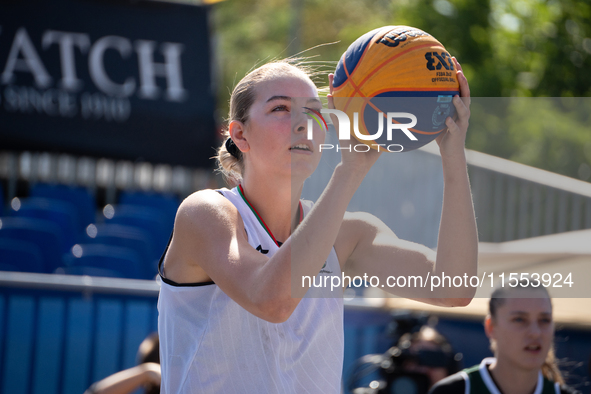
(405,121)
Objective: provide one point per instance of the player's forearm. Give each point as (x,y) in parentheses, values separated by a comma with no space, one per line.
(125,382)
(457,246)
(314,240)
(307,249)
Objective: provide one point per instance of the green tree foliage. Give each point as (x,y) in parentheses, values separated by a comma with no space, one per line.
(544,132)
(526,48)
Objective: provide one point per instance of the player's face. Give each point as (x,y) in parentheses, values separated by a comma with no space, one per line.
(276,127)
(523,330)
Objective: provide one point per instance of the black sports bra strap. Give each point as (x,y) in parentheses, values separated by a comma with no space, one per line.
(164,254)
(171,282)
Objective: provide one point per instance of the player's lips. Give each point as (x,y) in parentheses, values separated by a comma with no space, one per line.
(301,147)
(533,348)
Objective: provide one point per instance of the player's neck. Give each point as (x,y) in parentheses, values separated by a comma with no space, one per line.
(277,203)
(511,379)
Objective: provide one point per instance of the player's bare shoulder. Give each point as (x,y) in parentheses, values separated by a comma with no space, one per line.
(205,221)
(208,216)
(202,210)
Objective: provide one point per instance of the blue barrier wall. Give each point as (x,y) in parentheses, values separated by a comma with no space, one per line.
(59,334)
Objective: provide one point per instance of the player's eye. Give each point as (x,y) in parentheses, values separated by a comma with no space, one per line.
(280,108)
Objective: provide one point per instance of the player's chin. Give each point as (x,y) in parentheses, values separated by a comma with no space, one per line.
(303,168)
(533,361)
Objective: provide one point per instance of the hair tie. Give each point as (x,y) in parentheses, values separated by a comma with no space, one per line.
(232,148)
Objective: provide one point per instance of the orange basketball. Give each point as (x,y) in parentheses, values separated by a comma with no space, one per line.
(397,70)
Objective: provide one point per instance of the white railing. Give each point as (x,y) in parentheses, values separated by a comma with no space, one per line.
(515,201)
(511,200)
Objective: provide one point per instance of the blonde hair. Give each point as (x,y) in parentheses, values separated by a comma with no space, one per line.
(242,98)
(550,367)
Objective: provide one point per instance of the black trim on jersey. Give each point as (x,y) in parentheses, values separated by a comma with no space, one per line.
(171,282)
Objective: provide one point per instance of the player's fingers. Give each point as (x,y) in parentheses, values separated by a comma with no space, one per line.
(330,101)
(461,108)
(463,112)
(458,65)
(330,98)
(333,118)
(464,88)
(463,115)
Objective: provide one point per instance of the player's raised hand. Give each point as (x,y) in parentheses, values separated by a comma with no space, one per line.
(451,142)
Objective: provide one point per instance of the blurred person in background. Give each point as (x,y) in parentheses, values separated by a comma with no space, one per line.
(420,357)
(431,345)
(146,374)
(521,331)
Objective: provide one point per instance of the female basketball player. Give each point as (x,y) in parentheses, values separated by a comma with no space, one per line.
(521,331)
(232,313)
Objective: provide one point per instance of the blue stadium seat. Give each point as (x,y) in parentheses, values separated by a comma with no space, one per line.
(62,213)
(124,261)
(130,237)
(45,234)
(167,203)
(151,220)
(84,202)
(20,256)
(1,201)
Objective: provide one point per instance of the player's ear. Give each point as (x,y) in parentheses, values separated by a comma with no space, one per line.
(236,130)
(489,327)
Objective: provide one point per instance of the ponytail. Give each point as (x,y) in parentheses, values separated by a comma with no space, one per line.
(550,368)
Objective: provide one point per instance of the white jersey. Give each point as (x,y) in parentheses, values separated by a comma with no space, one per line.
(210,344)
